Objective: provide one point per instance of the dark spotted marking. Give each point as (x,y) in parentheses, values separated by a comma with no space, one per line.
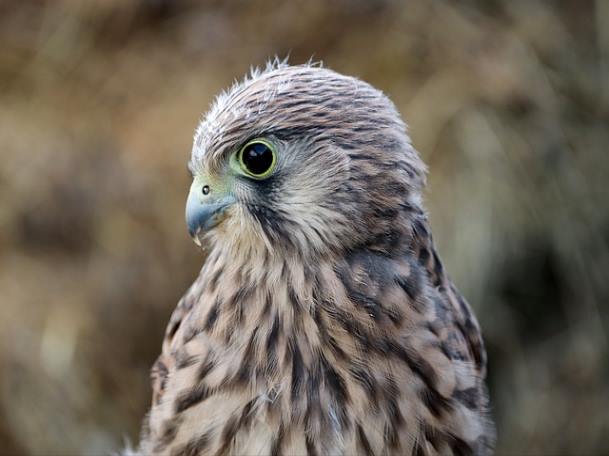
(434,327)
(434,401)
(297,367)
(363,441)
(424,257)
(432,435)
(438,268)
(191,332)
(234,424)
(336,385)
(184,360)
(313,405)
(173,328)
(228,435)
(367,381)
(396,421)
(450,352)
(316,316)
(420,228)
(395,315)
(192,397)
(278,441)
(212,316)
(310,445)
(271,342)
(297,104)
(437,272)
(459,446)
(308,273)
(194,447)
(453,345)
(213,281)
(412,285)
(293,297)
(350,325)
(418,449)
(335,382)
(370,305)
(237,300)
(395,416)
(158,375)
(473,344)
(409,286)
(468,397)
(336,349)
(387,213)
(205,368)
(170,431)
(247,416)
(271,222)
(244,373)
(415,362)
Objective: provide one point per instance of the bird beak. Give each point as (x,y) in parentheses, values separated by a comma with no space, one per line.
(204,211)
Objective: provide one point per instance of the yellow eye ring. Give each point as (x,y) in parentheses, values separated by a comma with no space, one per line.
(257,158)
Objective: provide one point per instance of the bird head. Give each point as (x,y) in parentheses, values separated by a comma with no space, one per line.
(302,159)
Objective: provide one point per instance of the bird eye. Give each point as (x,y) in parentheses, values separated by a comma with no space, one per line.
(257,158)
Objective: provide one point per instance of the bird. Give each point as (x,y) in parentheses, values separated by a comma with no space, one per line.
(323,320)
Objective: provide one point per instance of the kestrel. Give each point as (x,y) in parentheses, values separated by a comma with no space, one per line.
(322,321)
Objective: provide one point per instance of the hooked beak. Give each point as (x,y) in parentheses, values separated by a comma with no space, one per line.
(204,211)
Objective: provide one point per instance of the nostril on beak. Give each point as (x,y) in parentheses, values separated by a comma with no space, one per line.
(205,212)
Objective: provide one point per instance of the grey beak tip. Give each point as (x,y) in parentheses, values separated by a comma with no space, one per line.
(204,216)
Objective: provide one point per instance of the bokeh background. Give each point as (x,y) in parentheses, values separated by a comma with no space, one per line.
(507,101)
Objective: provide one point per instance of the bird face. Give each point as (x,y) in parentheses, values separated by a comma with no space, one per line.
(206,203)
(268,192)
(299,159)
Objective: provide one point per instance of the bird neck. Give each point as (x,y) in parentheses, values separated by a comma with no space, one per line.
(282,303)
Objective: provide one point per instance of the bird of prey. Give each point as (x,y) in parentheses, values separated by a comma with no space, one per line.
(322,321)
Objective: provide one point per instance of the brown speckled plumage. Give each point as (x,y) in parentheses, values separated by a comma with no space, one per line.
(322,321)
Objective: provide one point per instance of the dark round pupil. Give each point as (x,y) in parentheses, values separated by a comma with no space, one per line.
(257,158)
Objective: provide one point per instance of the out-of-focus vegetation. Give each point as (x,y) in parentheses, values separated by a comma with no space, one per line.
(507,101)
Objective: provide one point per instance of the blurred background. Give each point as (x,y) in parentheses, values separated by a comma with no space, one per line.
(507,102)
